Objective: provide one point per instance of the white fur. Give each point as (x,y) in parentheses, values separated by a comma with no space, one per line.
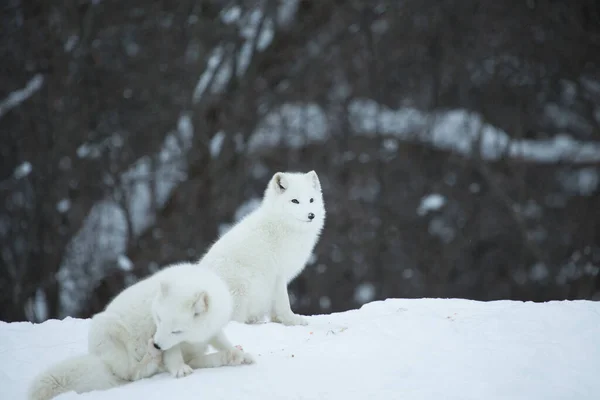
(121,340)
(266,250)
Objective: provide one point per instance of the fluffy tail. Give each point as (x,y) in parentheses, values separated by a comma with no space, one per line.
(79,374)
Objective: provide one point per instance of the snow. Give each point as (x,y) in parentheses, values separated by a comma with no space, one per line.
(104,234)
(461,131)
(256,32)
(216,144)
(145,187)
(214,61)
(19,96)
(286,12)
(566,119)
(419,349)
(71,43)
(63,206)
(290,125)
(432,202)
(22,170)
(231,14)
(466,133)
(36,308)
(124,263)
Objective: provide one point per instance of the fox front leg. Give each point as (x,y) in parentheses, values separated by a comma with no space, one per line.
(282,311)
(173,360)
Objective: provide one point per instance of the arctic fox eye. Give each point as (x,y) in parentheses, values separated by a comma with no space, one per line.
(295,201)
(311,200)
(176,332)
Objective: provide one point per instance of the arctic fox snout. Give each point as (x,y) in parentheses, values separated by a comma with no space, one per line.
(163,344)
(311,216)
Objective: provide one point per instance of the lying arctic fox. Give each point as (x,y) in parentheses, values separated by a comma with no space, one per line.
(163,322)
(260,255)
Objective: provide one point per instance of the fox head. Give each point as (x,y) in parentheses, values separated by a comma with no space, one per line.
(296,199)
(185,313)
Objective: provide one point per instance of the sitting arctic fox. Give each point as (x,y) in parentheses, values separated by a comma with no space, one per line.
(260,255)
(163,322)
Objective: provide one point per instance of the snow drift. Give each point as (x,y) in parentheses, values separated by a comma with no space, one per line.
(395,349)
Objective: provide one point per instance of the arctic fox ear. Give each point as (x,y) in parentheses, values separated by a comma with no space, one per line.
(200,304)
(164,288)
(312,175)
(280,182)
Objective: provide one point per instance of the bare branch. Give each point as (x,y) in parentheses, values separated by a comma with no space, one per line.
(17,97)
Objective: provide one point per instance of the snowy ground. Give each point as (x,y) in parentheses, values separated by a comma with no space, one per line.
(397,349)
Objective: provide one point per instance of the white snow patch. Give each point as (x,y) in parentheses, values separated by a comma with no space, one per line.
(230,15)
(256,31)
(124,263)
(216,144)
(36,308)
(592,86)
(431,202)
(566,119)
(19,96)
(286,12)
(89,150)
(215,59)
(71,43)
(581,182)
(390,145)
(253,37)
(104,234)
(471,350)
(464,132)
(364,293)
(22,170)
(63,206)
(290,125)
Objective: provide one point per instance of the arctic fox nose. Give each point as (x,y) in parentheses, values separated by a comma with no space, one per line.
(157,347)
(311,216)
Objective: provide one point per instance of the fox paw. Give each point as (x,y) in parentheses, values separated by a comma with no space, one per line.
(290,320)
(237,356)
(182,371)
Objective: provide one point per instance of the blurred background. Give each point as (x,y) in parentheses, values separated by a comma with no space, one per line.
(457,143)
